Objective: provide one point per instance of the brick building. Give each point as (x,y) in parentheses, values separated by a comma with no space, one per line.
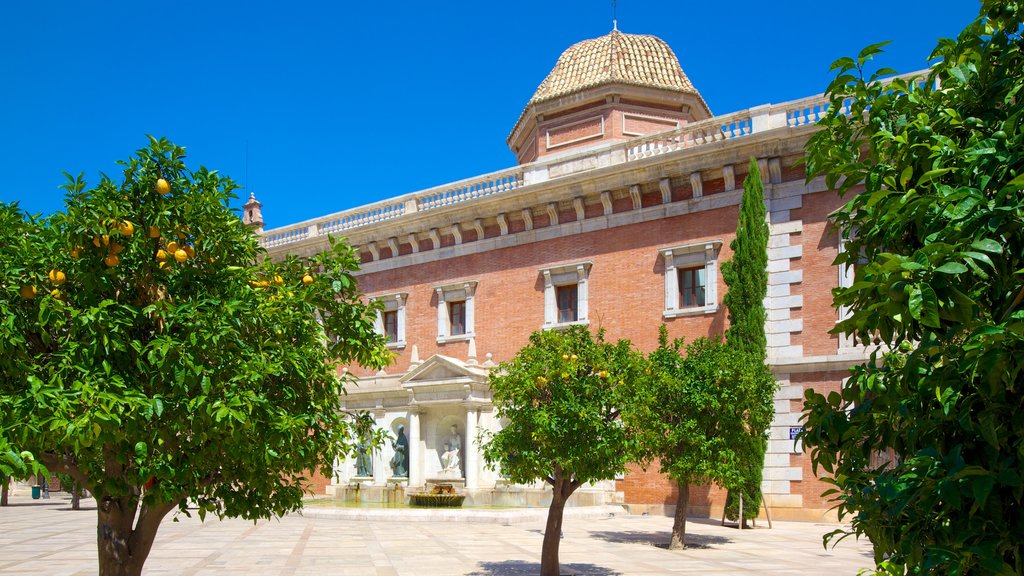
(619,211)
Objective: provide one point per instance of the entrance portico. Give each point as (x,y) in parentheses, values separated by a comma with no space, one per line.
(441,407)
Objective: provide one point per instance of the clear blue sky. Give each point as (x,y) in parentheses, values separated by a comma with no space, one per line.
(345,103)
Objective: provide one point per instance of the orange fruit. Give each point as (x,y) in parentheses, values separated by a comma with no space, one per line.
(96,241)
(57,277)
(163,187)
(163,263)
(172,247)
(180,255)
(154,232)
(189,250)
(161,256)
(27,291)
(126,228)
(75,251)
(55,293)
(111,260)
(105,240)
(278,280)
(307,279)
(116,248)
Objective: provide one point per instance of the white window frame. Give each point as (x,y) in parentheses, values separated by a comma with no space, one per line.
(693,255)
(455,292)
(576,273)
(392,303)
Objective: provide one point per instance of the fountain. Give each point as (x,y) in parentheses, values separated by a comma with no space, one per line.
(441,495)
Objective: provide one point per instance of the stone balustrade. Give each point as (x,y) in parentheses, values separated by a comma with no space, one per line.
(792,114)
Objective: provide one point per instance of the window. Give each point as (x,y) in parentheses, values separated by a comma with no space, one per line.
(565,294)
(391,325)
(692,287)
(691,279)
(568,298)
(391,320)
(455,311)
(457,318)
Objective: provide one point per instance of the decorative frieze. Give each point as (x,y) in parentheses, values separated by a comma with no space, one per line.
(634,194)
(527,218)
(665,185)
(697,185)
(729,177)
(552,209)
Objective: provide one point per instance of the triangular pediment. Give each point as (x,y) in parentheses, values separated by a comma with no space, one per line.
(439,369)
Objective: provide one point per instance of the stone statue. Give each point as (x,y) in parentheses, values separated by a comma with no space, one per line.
(400,461)
(364,458)
(450,457)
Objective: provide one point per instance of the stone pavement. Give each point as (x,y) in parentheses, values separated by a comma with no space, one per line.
(46,537)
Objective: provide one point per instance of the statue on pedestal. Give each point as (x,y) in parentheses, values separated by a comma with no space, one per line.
(364,458)
(450,457)
(400,461)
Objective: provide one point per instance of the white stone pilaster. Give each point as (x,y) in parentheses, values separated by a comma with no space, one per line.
(472,450)
(415,450)
(380,478)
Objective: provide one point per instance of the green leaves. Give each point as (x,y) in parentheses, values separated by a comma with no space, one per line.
(175,374)
(923,441)
(564,397)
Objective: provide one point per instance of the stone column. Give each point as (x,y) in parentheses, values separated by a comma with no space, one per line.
(415,454)
(380,478)
(472,449)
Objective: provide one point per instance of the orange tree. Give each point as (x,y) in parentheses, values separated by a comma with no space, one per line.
(148,353)
(564,396)
(703,417)
(924,443)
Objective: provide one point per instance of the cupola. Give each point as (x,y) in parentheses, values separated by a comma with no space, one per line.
(611,88)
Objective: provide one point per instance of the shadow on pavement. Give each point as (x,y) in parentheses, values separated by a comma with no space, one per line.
(40,502)
(660,539)
(525,568)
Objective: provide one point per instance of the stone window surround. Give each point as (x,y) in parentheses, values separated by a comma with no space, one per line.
(464,290)
(577,273)
(394,302)
(691,256)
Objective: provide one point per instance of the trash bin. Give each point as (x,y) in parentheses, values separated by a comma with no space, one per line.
(36,491)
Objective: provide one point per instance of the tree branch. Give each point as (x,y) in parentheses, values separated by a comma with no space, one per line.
(63,463)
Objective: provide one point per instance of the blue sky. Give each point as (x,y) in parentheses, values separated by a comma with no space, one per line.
(342,104)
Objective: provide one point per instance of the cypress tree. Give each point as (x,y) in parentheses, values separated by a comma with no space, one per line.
(746,275)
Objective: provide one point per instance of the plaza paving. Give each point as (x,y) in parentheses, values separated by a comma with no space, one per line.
(46,537)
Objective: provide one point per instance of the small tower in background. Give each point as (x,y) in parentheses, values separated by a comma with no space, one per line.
(252,214)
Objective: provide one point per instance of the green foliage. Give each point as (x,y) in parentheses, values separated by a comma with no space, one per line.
(746,275)
(923,443)
(562,396)
(705,412)
(155,381)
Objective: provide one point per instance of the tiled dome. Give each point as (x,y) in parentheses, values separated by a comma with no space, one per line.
(634,59)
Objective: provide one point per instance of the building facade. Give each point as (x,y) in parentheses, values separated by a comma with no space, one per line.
(617,216)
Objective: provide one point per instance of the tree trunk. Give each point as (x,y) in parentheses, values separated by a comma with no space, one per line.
(679,522)
(5,489)
(553,531)
(76,495)
(122,547)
